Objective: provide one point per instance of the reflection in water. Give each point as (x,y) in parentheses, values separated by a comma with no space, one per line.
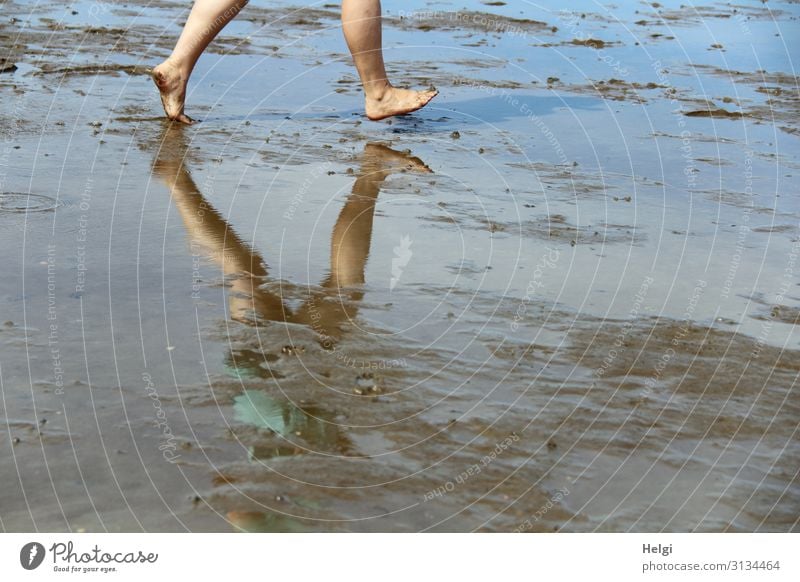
(325,310)
(335,301)
(264,522)
(244,363)
(314,425)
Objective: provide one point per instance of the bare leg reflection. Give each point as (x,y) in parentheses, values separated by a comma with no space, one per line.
(211,235)
(337,304)
(294,429)
(327,309)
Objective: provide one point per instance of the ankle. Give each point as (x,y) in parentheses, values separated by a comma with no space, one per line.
(377,90)
(177,67)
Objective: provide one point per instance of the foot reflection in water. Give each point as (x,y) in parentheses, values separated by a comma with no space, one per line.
(326,309)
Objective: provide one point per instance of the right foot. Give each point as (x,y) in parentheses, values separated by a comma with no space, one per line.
(396,101)
(171,84)
(380,158)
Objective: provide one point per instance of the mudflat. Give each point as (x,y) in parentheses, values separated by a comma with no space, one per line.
(562,297)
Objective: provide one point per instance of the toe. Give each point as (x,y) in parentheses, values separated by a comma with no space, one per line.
(425,97)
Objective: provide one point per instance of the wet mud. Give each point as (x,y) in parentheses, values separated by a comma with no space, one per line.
(562,297)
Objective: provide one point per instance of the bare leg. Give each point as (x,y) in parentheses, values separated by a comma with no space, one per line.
(361,23)
(205,21)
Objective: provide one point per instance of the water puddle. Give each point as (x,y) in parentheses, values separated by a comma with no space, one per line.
(20,203)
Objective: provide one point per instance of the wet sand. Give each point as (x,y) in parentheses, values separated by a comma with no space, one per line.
(563,297)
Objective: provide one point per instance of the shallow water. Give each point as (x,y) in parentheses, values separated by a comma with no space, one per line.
(562,297)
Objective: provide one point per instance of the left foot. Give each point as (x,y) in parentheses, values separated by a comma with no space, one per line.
(171,84)
(396,101)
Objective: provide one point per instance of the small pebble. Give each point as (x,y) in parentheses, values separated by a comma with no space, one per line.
(292,350)
(366,385)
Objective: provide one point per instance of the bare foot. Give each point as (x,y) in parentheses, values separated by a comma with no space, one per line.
(171,84)
(381,158)
(398,102)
